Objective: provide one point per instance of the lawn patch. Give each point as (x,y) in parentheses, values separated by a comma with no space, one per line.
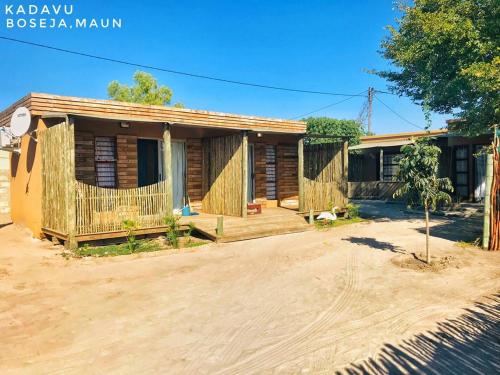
(140,246)
(327,224)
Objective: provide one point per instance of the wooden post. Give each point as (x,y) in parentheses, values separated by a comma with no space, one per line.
(70,177)
(220,226)
(371,91)
(345,174)
(487,201)
(300,173)
(167,165)
(244,173)
(311,216)
(381,166)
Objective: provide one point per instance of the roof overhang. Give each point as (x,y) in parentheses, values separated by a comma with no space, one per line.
(367,145)
(40,104)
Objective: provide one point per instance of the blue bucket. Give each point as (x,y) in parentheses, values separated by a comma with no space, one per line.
(186,211)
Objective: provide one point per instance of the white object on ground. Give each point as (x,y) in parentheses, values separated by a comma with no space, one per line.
(327,216)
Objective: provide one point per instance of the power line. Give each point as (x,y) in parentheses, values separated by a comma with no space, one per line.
(124,62)
(386,92)
(397,114)
(328,106)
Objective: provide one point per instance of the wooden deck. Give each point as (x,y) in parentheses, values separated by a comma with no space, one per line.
(271,222)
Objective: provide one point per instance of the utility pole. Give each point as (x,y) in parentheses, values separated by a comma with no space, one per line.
(371,92)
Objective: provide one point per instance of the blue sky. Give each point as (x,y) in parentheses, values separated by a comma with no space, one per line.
(313,45)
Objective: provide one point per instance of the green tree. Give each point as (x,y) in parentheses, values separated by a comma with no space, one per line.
(331,126)
(447,57)
(418,170)
(146,90)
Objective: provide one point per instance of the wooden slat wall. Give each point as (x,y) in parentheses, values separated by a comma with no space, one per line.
(222,175)
(45,103)
(325,177)
(287,164)
(85,157)
(54,143)
(126,147)
(373,189)
(194,161)
(260,172)
(100,210)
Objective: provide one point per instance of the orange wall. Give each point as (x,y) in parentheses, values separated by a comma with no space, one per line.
(26,184)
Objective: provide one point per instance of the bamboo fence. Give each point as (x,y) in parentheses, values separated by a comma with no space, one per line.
(56,184)
(104,210)
(325,176)
(222,168)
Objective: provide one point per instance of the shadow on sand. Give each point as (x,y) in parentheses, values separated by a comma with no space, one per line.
(456,230)
(375,244)
(468,344)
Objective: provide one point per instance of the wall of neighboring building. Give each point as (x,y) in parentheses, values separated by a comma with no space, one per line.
(364,165)
(4,183)
(26,183)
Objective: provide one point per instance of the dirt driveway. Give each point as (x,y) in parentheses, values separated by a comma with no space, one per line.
(315,302)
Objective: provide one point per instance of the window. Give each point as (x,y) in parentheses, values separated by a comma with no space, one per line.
(105,161)
(270,172)
(391,167)
(462,171)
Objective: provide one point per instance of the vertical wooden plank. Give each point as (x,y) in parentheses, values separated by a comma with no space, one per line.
(345,174)
(69,151)
(381,166)
(300,152)
(220,226)
(244,173)
(167,164)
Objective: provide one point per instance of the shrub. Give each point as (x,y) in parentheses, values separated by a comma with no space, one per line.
(187,234)
(173,232)
(130,226)
(352,211)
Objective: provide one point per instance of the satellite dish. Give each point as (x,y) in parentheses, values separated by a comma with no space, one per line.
(20,122)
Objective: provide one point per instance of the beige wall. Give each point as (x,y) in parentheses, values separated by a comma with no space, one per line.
(26,184)
(4,183)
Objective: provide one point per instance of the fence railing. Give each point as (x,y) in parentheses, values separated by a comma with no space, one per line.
(101,210)
(373,189)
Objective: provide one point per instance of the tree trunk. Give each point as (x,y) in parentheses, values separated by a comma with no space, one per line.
(428,254)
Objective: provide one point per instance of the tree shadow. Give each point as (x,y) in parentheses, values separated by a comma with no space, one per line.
(2,225)
(381,211)
(375,244)
(464,345)
(456,229)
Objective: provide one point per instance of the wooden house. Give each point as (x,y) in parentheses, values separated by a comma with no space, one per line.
(373,164)
(86,165)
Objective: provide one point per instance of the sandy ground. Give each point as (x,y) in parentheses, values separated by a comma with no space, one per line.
(314,302)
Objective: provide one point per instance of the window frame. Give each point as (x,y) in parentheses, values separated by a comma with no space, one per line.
(466,173)
(109,159)
(393,164)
